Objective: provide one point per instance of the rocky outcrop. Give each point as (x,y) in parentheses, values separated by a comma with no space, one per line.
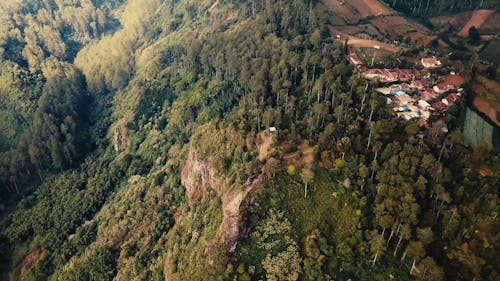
(199,177)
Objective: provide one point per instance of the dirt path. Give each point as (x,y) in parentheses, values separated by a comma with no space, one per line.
(265,146)
(478,18)
(365,43)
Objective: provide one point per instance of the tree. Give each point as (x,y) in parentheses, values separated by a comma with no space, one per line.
(272,166)
(474,33)
(307,175)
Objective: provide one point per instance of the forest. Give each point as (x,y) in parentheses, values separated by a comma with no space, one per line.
(131,148)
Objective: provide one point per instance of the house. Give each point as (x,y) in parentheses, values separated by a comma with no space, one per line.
(428,94)
(271,131)
(430,62)
(425,114)
(373,74)
(408,115)
(423,105)
(403,98)
(406,74)
(442,88)
(439,106)
(354,59)
(452,98)
(390,76)
(419,84)
(384,90)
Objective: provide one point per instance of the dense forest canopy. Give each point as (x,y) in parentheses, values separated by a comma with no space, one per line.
(136,144)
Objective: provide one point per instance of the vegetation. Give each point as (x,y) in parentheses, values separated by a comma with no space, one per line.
(130,148)
(436,8)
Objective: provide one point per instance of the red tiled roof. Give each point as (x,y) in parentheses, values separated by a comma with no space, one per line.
(438,105)
(443,87)
(452,98)
(429,94)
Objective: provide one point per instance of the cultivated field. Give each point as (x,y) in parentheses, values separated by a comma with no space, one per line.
(347,16)
(488,99)
(478,18)
(341,9)
(370,8)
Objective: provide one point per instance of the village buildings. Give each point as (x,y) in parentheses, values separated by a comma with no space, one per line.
(411,94)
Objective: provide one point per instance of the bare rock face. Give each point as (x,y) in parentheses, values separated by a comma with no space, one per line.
(117,139)
(199,178)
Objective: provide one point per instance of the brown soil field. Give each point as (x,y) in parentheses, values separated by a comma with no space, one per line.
(441,20)
(460,20)
(349,29)
(483,106)
(364,43)
(370,8)
(455,80)
(478,18)
(491,25)
(385,24)
(335,20)
(343,10)
(420,38)
(488,99)
(491,85)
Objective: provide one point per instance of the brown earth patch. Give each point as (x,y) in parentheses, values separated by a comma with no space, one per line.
(385,24)
(420,38)
(478,18)
(365,43)
(27,262)
(488,99)
(483,106)
(370,8)
(491,26)
(455,80)
(307,153)
(264,146)
(343,10)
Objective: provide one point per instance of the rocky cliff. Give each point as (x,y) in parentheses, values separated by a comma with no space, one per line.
(199,177)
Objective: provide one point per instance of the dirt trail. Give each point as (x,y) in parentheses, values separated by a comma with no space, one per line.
(365,43)
(265,146)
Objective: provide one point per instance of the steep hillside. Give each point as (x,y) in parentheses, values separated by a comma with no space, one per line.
(226,140)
